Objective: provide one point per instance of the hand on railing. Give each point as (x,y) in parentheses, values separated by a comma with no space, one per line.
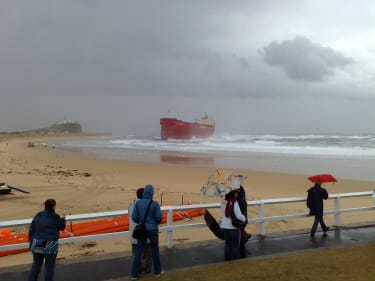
(63,216)
(71,234)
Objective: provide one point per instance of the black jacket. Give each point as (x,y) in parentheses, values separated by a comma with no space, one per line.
(241,199)
(315,197)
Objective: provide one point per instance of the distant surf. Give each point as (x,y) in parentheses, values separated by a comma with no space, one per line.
(358,146)
(346,156)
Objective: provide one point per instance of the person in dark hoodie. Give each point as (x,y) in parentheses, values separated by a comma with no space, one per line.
(152,221)
(242,202)
(315,197)
(43,238)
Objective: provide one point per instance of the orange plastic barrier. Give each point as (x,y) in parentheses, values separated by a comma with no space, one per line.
(92,227)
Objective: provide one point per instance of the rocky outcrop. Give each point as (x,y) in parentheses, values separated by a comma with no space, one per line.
(66,127)
(63,127)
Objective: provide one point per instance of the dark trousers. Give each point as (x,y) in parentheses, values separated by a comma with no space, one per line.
(318,219)
(49,267)
(232,244)
(153,235)
(146,260)
(242,244)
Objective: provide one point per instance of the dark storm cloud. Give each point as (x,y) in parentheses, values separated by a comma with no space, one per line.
(104,62)
(125,48)
(113,48)
(304,60)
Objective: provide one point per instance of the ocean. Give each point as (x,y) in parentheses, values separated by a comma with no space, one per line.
(346,156)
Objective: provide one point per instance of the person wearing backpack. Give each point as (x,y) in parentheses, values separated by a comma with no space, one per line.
(315,197)
(148,212)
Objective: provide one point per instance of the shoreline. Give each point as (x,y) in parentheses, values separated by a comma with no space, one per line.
(342,167)
(86,183)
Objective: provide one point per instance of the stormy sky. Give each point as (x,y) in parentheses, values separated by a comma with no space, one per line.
(117,66)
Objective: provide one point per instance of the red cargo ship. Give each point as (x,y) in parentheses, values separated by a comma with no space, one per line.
(172,128)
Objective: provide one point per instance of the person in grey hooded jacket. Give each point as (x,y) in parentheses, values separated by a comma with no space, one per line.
(152,222)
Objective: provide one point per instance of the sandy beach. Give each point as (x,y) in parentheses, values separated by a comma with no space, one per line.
(85,183)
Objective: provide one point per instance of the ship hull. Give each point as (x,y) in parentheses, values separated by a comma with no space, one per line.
(172,128)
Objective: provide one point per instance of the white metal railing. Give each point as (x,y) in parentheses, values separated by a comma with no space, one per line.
(169,228)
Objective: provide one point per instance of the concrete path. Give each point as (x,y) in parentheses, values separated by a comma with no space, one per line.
(117,266)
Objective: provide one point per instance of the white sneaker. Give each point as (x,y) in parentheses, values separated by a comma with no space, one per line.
(158,275)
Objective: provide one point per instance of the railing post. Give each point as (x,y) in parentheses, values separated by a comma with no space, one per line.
(337,211)
(262,229)
(170,232)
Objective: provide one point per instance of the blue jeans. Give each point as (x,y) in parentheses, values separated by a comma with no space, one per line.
(37,264)
(232,244)
(153,235)
(318,219)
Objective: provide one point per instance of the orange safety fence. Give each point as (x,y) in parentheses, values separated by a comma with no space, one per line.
(102,226)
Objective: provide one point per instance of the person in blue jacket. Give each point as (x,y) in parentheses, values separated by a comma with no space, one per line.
(146,260)
(43,238)
(315,197)
(152,221)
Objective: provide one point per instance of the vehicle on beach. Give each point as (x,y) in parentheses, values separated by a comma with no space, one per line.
(4,189)
(172,128)
(7,189)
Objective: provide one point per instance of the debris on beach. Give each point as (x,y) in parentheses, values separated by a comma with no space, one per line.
(89,244)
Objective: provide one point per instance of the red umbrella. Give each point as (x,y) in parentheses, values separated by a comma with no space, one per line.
(322,178)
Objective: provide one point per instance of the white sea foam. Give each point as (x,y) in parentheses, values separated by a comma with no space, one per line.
(325,145)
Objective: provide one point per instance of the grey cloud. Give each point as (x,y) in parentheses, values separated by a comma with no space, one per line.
(125,48)
(304,60)
(116,48)
(104,62)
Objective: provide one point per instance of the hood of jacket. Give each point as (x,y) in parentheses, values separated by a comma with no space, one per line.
(148,193)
